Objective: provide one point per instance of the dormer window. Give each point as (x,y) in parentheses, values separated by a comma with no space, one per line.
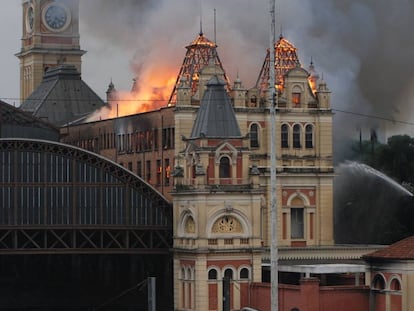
(296,97)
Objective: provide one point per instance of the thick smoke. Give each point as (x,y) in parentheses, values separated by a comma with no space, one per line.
(363,49)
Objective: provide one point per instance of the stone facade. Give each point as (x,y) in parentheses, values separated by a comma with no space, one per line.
(47,41)
(221,222)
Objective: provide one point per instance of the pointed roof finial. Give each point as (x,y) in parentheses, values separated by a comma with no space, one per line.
(201,17)
(215,29)
(281,31)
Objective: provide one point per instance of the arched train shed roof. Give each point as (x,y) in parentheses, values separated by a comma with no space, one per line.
(55,197)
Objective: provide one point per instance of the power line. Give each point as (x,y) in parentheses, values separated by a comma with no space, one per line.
(371,116)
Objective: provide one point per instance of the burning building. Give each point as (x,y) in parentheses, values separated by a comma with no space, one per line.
(207,152)
(206,149)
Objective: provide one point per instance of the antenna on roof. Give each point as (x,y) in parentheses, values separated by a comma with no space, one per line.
(201,17)
(215,32)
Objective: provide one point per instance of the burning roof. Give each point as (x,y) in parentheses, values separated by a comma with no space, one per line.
(286,58)
(200,53)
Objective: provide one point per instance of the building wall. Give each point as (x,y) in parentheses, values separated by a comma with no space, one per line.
(391,286)
(304,187)
(309,296)
(142,143)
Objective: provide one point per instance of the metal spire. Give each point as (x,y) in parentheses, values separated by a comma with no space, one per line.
(201,17)
(215,29)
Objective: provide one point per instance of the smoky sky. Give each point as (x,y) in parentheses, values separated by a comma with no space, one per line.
(363,49)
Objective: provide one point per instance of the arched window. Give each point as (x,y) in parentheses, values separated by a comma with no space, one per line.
(212,274)
(189,225)
(284,136)
(297,223)
(224,169)
(189,274)
(254,136)
(244,273)
(296,100)
(296,136)
(228,273)
(395,285)
(378,282)
(309,136)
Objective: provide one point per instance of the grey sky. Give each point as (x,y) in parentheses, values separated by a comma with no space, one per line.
(363,49)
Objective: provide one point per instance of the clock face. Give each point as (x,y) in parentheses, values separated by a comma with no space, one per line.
(56,17)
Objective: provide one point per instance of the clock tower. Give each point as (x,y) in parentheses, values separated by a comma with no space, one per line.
(50,38)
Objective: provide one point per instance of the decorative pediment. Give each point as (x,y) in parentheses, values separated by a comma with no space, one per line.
(226,149)
(297,72)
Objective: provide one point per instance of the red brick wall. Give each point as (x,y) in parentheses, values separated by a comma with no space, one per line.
(244,294)
(396,302)
(260,296)
(310,297)
(379,302)
(212,297)
(344,298)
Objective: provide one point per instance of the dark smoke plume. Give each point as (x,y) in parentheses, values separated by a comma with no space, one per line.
(363,49)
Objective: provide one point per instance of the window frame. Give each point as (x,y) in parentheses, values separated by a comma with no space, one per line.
(297,225)
(309,136)
(284,136)
(296,136)
(254,135)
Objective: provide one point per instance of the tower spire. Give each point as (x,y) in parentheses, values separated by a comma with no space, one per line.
(215,29)
(201,18)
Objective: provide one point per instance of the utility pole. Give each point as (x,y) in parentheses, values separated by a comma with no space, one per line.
(274,298)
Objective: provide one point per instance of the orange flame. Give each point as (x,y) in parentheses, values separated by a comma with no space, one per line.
(153,91)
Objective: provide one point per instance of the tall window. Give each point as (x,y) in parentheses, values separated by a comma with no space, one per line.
(148,171)
(296,100)
(139,168)
(254,136)
(309,136)
(167,172)
(296,136)
(168,138)
(284,133)
(224,169)
(159,172)
(228,273)
(296,223)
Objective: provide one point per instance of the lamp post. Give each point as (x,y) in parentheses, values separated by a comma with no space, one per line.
(273,206)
